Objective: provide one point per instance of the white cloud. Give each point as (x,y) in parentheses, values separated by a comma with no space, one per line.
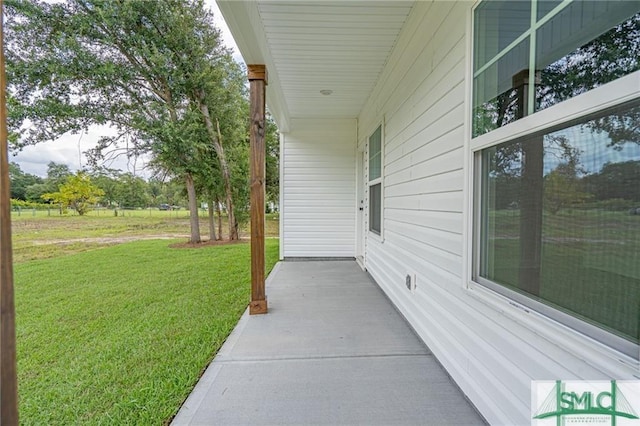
(69,149)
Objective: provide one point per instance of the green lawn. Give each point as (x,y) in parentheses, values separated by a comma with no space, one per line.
(43,237)
(120,334)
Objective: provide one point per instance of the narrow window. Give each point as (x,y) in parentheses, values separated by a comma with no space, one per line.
(375,181)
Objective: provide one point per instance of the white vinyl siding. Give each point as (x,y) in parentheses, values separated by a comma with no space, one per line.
(318,190)
(491,348)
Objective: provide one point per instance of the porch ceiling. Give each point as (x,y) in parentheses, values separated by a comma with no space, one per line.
(312,46)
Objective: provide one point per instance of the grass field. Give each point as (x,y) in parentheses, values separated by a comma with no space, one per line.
(40,236)
(118,333)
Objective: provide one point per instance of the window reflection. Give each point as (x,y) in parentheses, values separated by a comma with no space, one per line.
(546,6)
(561,218)
(375,208)
(612,55)
(497,24)
(498,90)
(584,45)
(375,154)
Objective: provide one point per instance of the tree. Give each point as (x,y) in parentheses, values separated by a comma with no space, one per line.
(78,192)
(606,58)
(616,181)
(57,174)
(34,192)
(131,191)
(107,181)
(216,87)
(20,181)
(173,192)
(144,67)
(272,143)
(562,188)
(154,191)
(223,179)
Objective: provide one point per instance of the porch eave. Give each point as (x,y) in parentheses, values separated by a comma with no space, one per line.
(324,59)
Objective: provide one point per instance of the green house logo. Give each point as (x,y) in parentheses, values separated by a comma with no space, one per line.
(584,402)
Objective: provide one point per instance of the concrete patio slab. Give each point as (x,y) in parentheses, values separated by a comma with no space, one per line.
(332,350)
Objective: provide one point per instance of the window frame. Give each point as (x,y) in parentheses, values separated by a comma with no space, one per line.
(599,333)
(558,326)
(377,181)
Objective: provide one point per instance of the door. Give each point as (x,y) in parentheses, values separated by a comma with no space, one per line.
(360,206)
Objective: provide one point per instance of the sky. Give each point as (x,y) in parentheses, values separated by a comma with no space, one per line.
(69,148)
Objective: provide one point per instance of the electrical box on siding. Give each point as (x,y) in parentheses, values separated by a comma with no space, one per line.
(410,282)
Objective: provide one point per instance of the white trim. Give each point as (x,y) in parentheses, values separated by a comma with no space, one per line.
(467,189)
(567,320)
(359,204)
(605,96)
(533,39)
(563,336)
(281,197)
(503,52)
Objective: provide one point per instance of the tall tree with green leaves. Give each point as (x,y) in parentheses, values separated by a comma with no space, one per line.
(21,181)
(131,191)
(107,180)
(225,111)
(216,88)
(272,160)
(57,174)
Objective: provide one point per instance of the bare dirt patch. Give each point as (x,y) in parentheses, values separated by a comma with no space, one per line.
(129,238)
(107,240)
(208,243)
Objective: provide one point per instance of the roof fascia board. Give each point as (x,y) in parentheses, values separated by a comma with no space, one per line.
(245,24)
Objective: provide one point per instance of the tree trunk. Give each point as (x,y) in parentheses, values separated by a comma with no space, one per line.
(531,202)
(224,166)
(531,196)
(194,220)
(219,213)
(193,210)
(212,222)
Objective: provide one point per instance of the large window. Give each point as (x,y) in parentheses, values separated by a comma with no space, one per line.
(375,181)
(557,211)
(529,56)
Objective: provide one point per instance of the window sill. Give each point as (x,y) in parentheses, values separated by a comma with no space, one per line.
(608,95)
(376,236)
(595,353)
